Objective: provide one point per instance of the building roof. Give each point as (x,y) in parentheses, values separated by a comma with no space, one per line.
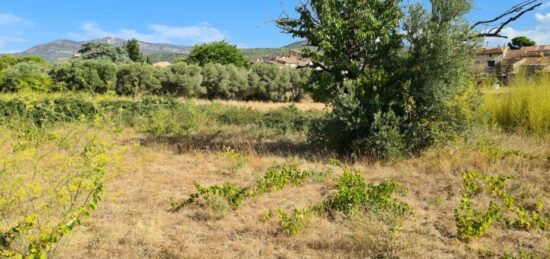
(491,51)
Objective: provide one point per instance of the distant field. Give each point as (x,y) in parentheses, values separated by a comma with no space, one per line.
(264,106)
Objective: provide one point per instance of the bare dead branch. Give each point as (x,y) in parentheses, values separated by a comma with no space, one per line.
(512,14)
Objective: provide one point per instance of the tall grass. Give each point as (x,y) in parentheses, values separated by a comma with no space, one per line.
(525,104)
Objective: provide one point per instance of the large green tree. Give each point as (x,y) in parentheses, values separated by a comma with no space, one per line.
(219,52)
(391,74)
(96,76)
(103,50)
(137,79)
(134,51)
(523,41)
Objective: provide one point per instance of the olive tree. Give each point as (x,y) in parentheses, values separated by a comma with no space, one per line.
(135,79)
(96,76)
(25,76)
(389,73)
(225,82)
(182,79)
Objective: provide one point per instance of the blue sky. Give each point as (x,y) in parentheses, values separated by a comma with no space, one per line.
(25,23)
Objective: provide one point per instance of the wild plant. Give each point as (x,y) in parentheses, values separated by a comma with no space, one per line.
(238,160)
(274,179)
(46,194)
(473,223)
(353,195)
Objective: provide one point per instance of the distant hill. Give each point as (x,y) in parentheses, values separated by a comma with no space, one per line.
(298,44)
(60,50)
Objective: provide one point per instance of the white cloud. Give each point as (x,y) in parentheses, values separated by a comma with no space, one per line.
(157,33)
(7,19)
(542,18)
(12,28)
(545,5)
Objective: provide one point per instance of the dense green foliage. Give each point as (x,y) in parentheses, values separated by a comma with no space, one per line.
(353,195)
(523,41)
(94,76)
(219,52)
(135,79)
(182,79)
(225,82)
(153,113)
(272,83)
(133,50)
(102,75)
(103,50)
(25,76)
(393,77)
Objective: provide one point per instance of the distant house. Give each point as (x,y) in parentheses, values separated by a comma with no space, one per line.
(162,64)
(506,62)
(294,59)
(488,61)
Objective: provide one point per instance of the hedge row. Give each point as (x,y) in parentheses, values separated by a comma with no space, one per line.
(128,112)
(213,81)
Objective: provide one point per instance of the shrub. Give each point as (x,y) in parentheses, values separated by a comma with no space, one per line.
(353,195)
(103,51)
(10,60)
(95,76)
(271,83)
(137,79)
(182,79)
(25,76)
(38,213)
(225,82)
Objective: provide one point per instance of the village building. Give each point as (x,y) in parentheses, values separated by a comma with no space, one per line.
(506,62)
(162,64)
(293,59)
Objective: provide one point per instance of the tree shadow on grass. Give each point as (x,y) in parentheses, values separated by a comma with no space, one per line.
(218,141)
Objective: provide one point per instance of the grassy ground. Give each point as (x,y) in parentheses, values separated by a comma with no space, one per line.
(159,167)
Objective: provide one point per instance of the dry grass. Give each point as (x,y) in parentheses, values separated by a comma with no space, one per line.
(264,106)
(134,220)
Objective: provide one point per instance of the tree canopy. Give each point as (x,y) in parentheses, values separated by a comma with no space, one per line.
(133,49)
(103,50)
(391,74)
(219,52)
(523,41)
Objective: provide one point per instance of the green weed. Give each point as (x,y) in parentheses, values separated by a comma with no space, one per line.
(473,223)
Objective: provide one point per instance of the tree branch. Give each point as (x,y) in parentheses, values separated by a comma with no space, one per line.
(512,14)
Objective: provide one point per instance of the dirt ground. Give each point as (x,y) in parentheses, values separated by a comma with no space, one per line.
(134,220)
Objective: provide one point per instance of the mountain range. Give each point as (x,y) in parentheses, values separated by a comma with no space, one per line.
(60,50)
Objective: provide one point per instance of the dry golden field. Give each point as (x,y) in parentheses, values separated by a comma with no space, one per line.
(135,220)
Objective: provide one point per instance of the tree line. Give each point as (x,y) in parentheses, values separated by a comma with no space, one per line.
(214,71)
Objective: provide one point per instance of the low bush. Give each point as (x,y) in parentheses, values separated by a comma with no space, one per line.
(181,79)
(25,76)
(94,76)
(48,187)
(353,195)
(137,79)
